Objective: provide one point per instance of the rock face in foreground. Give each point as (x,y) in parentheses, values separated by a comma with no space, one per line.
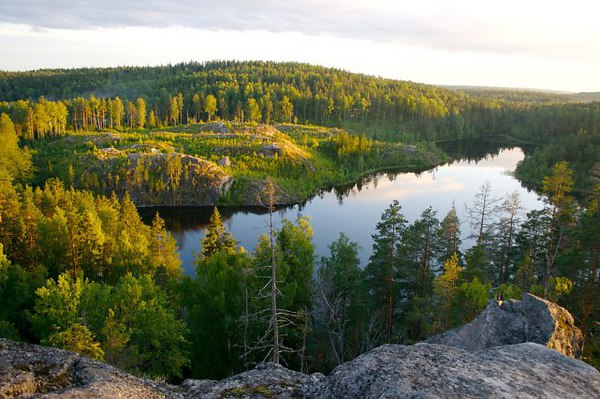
(267,380)
(31,371)
(482,361)
(438,371)
(511,322)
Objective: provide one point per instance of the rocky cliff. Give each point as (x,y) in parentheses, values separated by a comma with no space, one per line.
(511,322)
(480,360)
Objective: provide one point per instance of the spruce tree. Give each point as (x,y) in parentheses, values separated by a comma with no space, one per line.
(217,239)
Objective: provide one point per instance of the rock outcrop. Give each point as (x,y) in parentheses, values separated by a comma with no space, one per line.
(153,178)
(480,360)
(267,380)
(511,322)
(31,371)
(439,371)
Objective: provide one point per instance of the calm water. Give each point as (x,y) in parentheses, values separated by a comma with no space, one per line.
(355,210)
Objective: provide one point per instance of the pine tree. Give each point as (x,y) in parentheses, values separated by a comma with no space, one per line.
(557,189)
(163,249)
(449,234)
(418,261)
(382,268)
(217,239)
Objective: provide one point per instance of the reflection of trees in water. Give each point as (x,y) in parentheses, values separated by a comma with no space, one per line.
(475,150)
(181,219)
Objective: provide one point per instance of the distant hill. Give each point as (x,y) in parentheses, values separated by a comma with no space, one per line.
(50,102)
(498,88)
(515,95)
(586,96)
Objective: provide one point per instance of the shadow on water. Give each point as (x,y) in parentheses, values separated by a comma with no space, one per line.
(179,219)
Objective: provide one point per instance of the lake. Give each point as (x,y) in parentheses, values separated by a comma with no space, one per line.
(356,209)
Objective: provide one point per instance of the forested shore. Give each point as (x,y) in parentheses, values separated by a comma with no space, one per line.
(80,270)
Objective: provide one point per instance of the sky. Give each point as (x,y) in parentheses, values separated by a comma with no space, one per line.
(510,43)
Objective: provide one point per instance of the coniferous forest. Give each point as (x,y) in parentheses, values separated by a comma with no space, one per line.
(81,149)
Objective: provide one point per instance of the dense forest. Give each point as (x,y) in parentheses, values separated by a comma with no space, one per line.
(79,149)
(82,272)
(47,103)
(220,162)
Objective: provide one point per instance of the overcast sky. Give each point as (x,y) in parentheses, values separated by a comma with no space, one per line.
(508,43)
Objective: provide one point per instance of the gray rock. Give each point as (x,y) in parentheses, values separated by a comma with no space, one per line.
(437,371)
(33,371)
(511,322)
(225,161)
(267,380)
(486,359)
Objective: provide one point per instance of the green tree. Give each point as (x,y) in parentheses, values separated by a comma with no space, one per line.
(287,109)
(157,338)
(133,322)
(152,120)
(446,284)
(163,249)
(197,106)
(13,160)
(381,271)
(449,234)
(17,288)
(340,299)
(417,254)
(217,239)
(215,302)
(140,104)
(473,298)
(253,113)
(557,190)
(266,106)
(210,106)
(116,110)
(78,338)
(57,305)
(446,289)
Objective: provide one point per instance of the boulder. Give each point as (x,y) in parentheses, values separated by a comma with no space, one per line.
(268,380)
(225,161)
(31,371)
(511,322)
(438,371)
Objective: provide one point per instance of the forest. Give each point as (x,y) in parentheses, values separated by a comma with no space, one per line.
(47,103)
(80,270)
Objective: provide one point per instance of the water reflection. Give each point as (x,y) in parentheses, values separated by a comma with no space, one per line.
(355,209)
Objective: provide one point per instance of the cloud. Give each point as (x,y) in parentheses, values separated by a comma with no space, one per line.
(511,26)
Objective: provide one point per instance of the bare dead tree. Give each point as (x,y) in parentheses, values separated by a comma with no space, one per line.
(481,211)
(510,219)
(276,319)
(274,291)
